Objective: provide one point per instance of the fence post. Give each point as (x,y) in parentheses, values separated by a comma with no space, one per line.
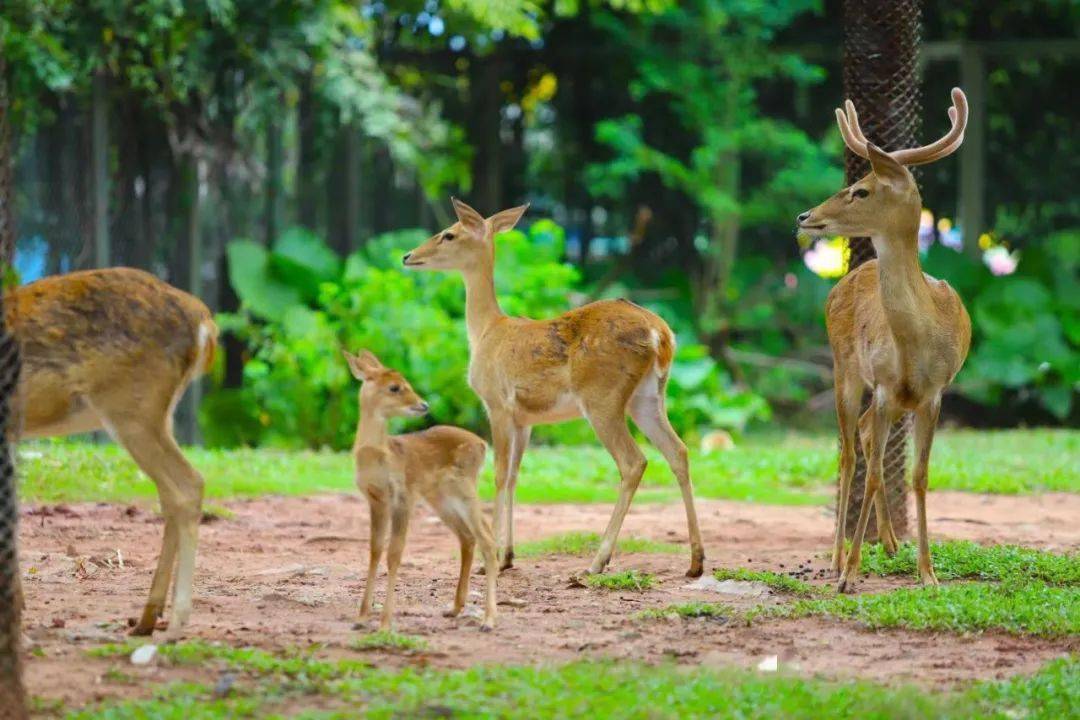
(881,48)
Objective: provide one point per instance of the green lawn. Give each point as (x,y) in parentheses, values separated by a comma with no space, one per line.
(773,468)
(350,688)
(1021,591)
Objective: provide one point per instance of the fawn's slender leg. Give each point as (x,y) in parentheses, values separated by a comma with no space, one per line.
(648,409)
(610,426)
(874,431)
(461,594)
(925,423)
(400,511)
(848,397)
(380,523)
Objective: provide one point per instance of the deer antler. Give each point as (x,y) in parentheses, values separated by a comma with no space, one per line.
(848,121)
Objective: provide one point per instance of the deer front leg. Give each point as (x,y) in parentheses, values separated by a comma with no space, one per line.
(503,431)
(886,532)
(399,528)
(925,423)
(874,430)
(380,523)
(848,397)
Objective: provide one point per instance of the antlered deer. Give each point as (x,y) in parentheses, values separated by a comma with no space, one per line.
(893,329)
(439,464)
(115,349)
(603,361)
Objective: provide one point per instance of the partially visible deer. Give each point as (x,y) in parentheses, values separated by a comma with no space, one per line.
(893,329)
(439,464)
(115,349)
(603,361)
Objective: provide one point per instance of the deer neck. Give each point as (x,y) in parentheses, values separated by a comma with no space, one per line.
(371,432)
(905,295)
(481,305)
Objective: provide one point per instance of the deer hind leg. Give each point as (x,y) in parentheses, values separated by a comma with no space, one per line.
(648,410)
(848,396)
(180,489)
(609,422)
(380,524)
(925,423)
(401,509)
(874,431)
(482,532)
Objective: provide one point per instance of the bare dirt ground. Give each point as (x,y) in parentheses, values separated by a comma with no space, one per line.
(287,572)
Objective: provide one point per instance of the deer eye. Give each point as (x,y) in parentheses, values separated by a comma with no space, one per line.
(861,193)
(394,388)
(448,236)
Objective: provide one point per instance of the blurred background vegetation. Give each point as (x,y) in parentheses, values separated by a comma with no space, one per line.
(277,157)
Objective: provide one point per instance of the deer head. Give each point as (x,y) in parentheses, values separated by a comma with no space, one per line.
(886,203)
(466,245)
(384,391)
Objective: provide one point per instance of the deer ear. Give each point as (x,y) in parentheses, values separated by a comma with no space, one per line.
(887,170)
(472,220)
(363,365)
(507,219)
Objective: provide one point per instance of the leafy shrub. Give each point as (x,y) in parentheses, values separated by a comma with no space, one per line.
(1026,327)
(302,305)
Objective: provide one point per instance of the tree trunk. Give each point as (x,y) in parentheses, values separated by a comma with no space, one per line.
(881,43)
(12,694)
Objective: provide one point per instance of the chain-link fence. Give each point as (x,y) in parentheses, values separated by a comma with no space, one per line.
(881,44)
(12,699)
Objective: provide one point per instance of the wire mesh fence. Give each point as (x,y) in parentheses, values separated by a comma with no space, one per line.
(12,698)
(881,49)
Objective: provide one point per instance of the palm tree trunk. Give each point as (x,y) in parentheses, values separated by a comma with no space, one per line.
(881,44)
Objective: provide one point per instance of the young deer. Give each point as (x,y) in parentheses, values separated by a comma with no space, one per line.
(893,329)
(602,361)
(115,349)
(439,464)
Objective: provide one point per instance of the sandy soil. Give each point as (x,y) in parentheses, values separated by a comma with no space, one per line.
(284,572)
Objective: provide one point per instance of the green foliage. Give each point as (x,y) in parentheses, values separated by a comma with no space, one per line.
(704,63)
(389,640)
(302,304)
(1026,327)
(625,580)
(583,544)
(777,581)
(713,611)
(1014,607)
(345,688)
(964,559)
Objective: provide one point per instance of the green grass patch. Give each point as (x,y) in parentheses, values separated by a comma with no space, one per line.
(272,684)
(583,544)
(1013,607)
(688,610)
(967,560)
(625,580)
(791,469)
(389,640)
(777,581)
